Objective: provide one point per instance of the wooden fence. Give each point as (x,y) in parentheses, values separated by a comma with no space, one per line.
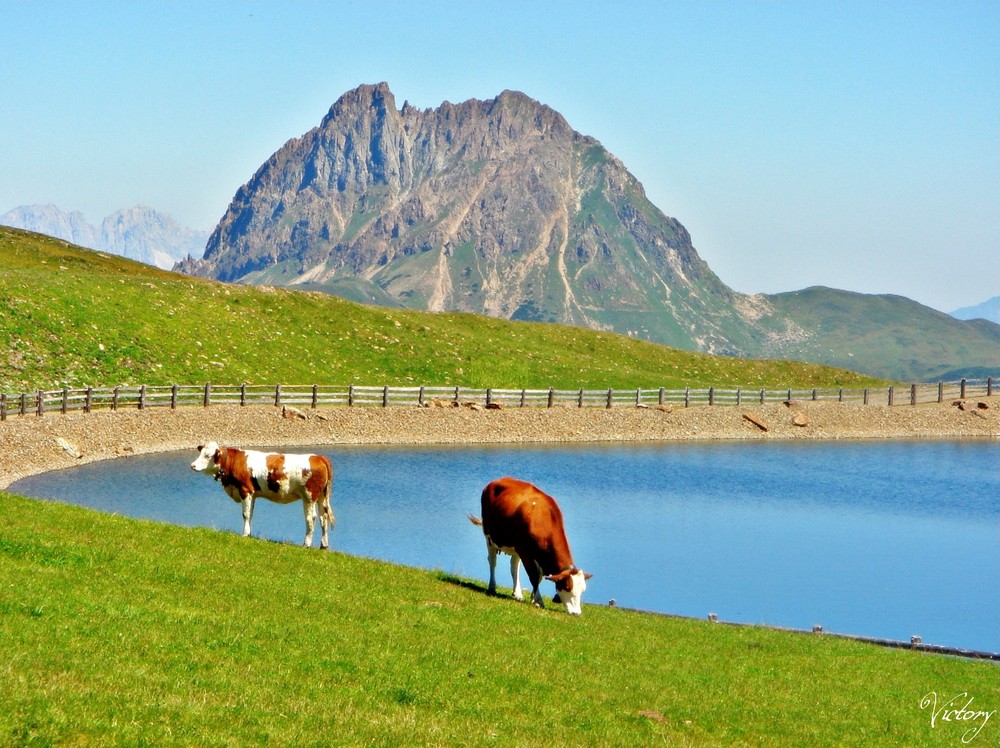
(315,396)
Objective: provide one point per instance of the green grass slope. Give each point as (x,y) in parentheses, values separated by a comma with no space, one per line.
(74,317)
(115,631)
(890,336)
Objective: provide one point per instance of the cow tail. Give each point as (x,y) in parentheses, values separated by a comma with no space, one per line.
(476,521)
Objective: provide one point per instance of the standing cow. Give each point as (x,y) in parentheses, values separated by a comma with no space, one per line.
(245,475)
(522,521)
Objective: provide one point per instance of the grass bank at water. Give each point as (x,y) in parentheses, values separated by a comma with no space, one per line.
(122,632)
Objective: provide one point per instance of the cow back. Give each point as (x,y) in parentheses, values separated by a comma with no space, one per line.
(517,514)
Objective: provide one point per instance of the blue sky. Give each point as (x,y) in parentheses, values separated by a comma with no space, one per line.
(846,144)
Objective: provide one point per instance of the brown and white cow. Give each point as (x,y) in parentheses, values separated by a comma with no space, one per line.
(246,475)
(525,523)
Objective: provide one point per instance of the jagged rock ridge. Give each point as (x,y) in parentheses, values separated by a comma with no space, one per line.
(499,207)
(496,207)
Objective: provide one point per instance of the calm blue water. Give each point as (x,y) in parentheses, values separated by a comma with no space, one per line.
(877,539)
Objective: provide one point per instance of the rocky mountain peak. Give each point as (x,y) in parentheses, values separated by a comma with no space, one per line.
(495,206)
(353,104)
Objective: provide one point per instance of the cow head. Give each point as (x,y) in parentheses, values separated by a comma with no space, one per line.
(208,459)
(570,586)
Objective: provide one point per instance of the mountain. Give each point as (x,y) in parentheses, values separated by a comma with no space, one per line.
(50,220)
(138,233)
(894,335)
(494,207)
(988,310)
(499,207)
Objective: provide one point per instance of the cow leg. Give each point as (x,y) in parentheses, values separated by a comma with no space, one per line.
(535,575)
(310,512)
(515,575)
(324,522)
(247,503)
(491,556)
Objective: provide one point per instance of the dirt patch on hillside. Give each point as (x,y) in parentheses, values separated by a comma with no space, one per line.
(32,444)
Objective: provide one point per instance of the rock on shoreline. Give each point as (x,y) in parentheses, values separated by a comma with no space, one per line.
(31,444)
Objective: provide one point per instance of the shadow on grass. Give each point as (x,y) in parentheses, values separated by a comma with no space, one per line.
(467,584)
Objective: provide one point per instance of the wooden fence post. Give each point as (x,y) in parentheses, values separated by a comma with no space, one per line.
(687,396)
(3,406)
(989,386)
(610,396)
(963,388)
(88,400)
(739,395)
(763,395)
(315,396)
(552,396)
(711,395)
(350,395)
(420,397)
(638,397)
(65,400)
(208,394)
(865,398)
(660,399)
(524,396)
(580,401)
(243,394)
(457,394)
(39,407)
(142,396)
(489,396)
(277,395)
(385,396)
(891,389)
(913,394)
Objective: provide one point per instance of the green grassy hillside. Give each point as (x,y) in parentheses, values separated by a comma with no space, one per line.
(908,341)
(75,317)
(115,631)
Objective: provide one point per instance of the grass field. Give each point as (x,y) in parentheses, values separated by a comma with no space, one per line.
(73,317)
(115,631)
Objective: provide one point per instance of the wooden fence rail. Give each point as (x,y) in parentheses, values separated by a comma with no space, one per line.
(313,396)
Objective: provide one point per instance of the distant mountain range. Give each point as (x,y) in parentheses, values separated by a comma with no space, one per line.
(989,310)
(499,207)
(139,233)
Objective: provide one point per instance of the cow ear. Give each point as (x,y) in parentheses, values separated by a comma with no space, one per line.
(201,447)
(557,577)
(587,575)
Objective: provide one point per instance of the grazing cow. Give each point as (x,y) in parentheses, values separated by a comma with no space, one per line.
(245,475)
(520,520)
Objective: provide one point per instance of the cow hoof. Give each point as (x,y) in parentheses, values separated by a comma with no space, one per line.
(519,598)
(324,547)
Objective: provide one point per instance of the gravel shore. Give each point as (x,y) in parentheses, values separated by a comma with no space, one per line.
(33,444)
